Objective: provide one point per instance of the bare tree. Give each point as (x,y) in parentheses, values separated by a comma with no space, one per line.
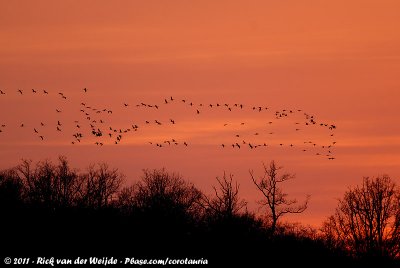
(126,199)
(66,185)
(164,192)
(100,185)
(56,186)
(48,184)
(275,199)
(226,202)
(367,220)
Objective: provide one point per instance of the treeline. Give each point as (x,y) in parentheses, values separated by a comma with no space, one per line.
(52,209)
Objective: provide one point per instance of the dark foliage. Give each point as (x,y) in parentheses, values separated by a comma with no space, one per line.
(52,210)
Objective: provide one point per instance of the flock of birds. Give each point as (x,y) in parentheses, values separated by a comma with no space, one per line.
(94,123)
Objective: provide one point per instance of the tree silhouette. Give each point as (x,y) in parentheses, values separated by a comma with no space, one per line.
(275,199)
(58,186)
(367,220)
(165,203)
(49,185)
(11,190)
(126,200)
(99,186)
(160,190)
(226,202)
(161,214)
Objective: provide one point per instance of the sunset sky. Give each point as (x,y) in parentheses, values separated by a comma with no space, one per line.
(336,60)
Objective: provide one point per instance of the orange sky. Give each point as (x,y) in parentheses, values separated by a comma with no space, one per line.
(338,61)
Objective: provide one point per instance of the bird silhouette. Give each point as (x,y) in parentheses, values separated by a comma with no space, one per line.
(93,116)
